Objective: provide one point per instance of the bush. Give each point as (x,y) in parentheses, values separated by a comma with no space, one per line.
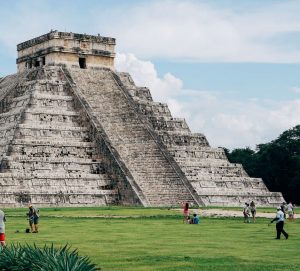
(32,258)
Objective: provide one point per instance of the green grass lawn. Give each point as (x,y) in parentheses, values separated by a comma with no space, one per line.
(157,239)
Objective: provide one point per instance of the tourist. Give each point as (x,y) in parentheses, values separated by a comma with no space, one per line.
(2,228)
(253,210)
(196,219)
(186,211)
(283,207)
(33,217)
(189,220)
(246,213)
(290,209)
(279,224)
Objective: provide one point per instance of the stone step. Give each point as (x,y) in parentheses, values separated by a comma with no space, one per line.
(53,143)
(198,175)
(43,111)
(53,175)
(201,163)
(42,165)
(54,160)
(51,134)
(47,96)
(233,192)
(190,148)
(51,127)
(53,152)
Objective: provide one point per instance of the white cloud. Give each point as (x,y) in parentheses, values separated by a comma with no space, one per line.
(197,31)
(145,74)
(227,123)
(295,90)
(185,30)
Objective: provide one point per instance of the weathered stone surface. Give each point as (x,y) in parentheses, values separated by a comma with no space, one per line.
(90,137)
(47,153)
(215,180)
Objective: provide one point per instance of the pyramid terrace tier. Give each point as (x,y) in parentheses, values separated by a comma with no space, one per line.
(46,164)
(32,150)
(269,199)
(21,199)
(154,109)
(51,132)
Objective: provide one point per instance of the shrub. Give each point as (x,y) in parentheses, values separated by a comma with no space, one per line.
(32,258)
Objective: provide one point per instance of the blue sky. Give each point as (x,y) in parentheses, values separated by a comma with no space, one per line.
(231,68)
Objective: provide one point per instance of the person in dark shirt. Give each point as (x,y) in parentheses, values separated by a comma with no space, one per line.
(33,217)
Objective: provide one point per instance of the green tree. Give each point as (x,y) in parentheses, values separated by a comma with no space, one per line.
(277,163)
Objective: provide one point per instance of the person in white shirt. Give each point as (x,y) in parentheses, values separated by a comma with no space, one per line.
(246,213)
(279,224)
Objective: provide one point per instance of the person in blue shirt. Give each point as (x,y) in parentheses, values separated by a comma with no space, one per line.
(196,219)
(279,224)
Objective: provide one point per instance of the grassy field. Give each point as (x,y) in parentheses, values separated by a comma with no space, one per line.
(155,239)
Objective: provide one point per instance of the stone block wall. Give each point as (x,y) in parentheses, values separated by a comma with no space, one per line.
(216,181)
(48,156)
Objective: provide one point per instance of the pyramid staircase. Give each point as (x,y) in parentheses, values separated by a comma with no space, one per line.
(217,181)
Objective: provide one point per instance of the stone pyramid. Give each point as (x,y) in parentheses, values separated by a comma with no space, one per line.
(74,132)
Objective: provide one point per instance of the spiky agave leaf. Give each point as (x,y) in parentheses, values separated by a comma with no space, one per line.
(33,258)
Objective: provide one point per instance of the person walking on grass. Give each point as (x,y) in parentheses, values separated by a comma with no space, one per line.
(186,211)
(283,207)
(246,213)
(2,229)
(279,224)
(33,217)
(253,210)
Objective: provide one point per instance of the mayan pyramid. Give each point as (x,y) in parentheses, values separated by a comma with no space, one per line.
(75,132)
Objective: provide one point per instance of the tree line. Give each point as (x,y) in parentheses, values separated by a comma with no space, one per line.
(276,162)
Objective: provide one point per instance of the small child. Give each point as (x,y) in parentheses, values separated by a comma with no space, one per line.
(189,220)
(196,219)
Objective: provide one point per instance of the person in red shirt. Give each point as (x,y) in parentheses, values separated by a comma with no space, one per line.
(186,211)
(2,228)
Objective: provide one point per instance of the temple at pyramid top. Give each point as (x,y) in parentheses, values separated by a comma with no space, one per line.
(68,49)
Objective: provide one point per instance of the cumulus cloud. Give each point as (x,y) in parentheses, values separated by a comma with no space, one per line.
(197,31)
(145,74)
(184,30)
(226,122)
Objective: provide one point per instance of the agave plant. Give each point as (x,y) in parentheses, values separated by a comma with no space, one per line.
(32,258)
